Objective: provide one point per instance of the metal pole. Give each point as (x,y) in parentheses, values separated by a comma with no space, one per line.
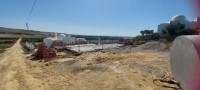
(79,47)
(27,27)
(102,46)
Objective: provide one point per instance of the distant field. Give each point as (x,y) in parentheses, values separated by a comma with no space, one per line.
(8,36)
(16,33)
(32,40)
(6,43)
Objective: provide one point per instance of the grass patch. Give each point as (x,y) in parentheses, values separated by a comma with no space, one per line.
(32,40)
(6,43)
(3,46)
(2,50)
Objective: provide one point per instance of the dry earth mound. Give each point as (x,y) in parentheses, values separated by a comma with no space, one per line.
(154,45)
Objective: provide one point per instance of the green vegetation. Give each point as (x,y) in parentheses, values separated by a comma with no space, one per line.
(6,43)
(174,30)
(16,33)
(167,36)
(146,32)
(2,46)
(32,40)
(2,50)
(147,35)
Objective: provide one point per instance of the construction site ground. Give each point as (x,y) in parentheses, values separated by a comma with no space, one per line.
(89,71)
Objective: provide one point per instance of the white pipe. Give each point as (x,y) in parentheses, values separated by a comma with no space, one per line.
(56,36)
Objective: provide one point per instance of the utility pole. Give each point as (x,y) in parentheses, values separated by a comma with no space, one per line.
(99,40)
(102,46)
(27,27)
(79,47)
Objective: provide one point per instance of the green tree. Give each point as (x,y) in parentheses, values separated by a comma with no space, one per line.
(164,32)
(142,32)
(151,31)
(174,29)
(186,32)
(147,32)
(154,36)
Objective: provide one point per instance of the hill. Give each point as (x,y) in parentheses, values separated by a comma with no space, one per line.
(16,33)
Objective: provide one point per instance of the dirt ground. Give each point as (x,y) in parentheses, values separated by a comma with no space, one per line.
(89,71)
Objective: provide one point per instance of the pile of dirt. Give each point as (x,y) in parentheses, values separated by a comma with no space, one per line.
(154,45)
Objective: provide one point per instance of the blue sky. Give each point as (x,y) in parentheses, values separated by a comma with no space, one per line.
(93,17)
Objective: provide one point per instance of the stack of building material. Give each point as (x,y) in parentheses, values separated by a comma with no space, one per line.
(44,53)
(30,46)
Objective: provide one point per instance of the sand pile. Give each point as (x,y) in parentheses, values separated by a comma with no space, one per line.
(154,45)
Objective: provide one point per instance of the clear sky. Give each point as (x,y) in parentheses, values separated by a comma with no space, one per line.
(93,17)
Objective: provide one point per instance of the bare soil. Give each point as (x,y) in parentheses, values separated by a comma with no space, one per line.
(14,73)
(89,71)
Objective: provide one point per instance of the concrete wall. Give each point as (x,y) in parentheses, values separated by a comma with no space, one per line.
(69,40)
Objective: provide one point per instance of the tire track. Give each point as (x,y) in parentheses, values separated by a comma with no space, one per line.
(13,71)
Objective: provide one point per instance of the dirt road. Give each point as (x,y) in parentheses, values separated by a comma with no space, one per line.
(14,73)
(89,71)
